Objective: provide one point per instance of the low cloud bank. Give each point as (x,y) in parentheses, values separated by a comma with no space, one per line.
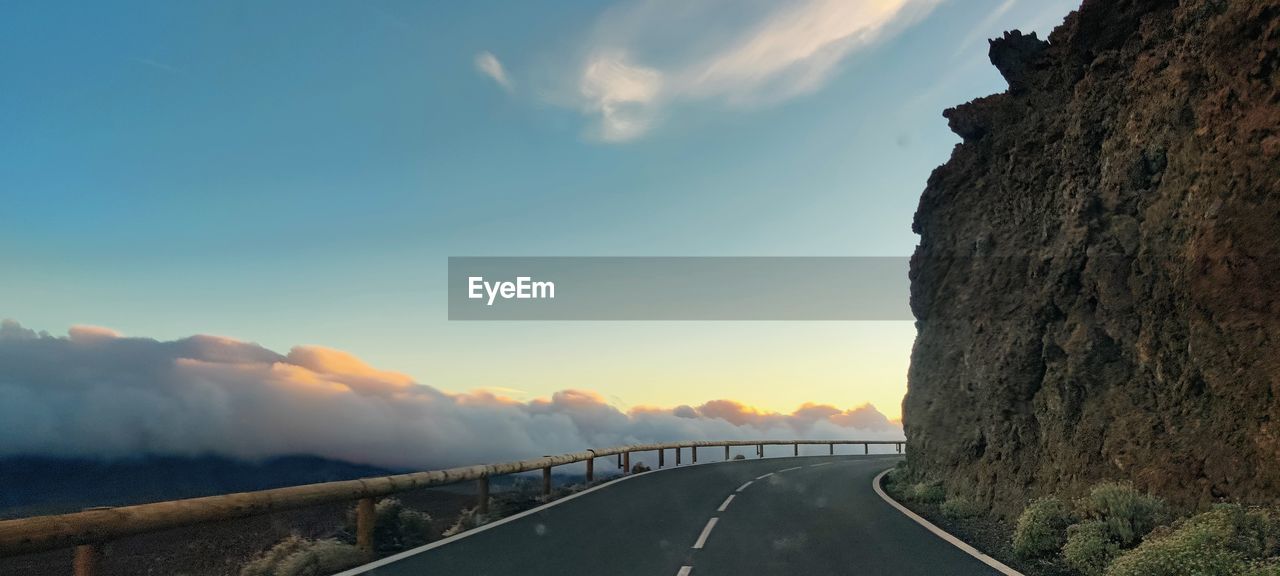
(95,393)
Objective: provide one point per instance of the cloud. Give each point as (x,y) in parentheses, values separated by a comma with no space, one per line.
(490,66)
(111,396)
(647,55)
(83,333)
(621,94)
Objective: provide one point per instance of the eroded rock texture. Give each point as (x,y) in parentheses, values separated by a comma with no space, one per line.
(1097,285)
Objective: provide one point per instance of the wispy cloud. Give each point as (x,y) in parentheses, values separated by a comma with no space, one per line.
(621,94)
(97,394)
(651,54)
(490,66)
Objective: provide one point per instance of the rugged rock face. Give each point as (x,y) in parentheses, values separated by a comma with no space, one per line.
(1097,286)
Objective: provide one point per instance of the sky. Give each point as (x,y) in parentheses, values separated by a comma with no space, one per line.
(297,173)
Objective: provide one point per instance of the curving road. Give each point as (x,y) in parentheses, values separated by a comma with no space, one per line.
(807,515)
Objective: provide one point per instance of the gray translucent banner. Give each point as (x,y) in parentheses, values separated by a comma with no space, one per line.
(693,288)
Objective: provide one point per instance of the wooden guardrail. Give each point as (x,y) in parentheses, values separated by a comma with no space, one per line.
(87,529)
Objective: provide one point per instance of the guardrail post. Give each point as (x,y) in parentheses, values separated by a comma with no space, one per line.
(86,560)
(677,455)
(482,495)
(88,556)
(899,445)
(831,449)
(591,469)
(546,482)
(726,452)
(662,456)
(866,448)
(626,463)
(760,450)
(693,450)
(795,452)
(366,514)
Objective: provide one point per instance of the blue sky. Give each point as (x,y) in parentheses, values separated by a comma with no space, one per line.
(298,172)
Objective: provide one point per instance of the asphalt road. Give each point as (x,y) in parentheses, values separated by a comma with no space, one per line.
(811,516)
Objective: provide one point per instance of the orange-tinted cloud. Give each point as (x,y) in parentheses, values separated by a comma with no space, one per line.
(809,414)
(98,394)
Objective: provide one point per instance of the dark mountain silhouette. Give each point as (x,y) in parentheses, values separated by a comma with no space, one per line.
(42,485)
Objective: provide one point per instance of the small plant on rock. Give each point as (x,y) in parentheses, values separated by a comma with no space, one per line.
(1089,548)
(297,556)
(1225,541)
(960,507)
(469,518)
(927,492)
(1128,514)
(1042,528)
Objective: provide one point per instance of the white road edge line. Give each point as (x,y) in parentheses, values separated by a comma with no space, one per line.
(726,503)
(702,538)
(744,486)
(684,571)
(817,465)
(762,477)
(958,543)
(790,469)
(472,532)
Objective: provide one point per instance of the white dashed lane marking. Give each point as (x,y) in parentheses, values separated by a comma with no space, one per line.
(711,524)
(702,538)
(726,503)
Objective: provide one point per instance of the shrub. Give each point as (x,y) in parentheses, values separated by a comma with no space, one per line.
(639,467)
(1042,528)
(395,527)
(928,492)
(469,518)
(1220,542)
(960,507)
(1089,547)
(1127,513)
(1263,568)
(739,457)
(899,473)
(297,556)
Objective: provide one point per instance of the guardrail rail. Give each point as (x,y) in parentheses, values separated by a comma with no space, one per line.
(87,530)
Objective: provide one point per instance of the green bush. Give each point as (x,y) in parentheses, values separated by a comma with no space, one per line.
(1089,547)
(928,492)
(1263,568)
(1127,513)
(395,527)
(899,473)
(297,556)
(1042,528)
(1227,540)
(960,507)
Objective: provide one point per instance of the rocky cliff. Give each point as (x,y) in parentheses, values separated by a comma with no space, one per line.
(1097,285)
